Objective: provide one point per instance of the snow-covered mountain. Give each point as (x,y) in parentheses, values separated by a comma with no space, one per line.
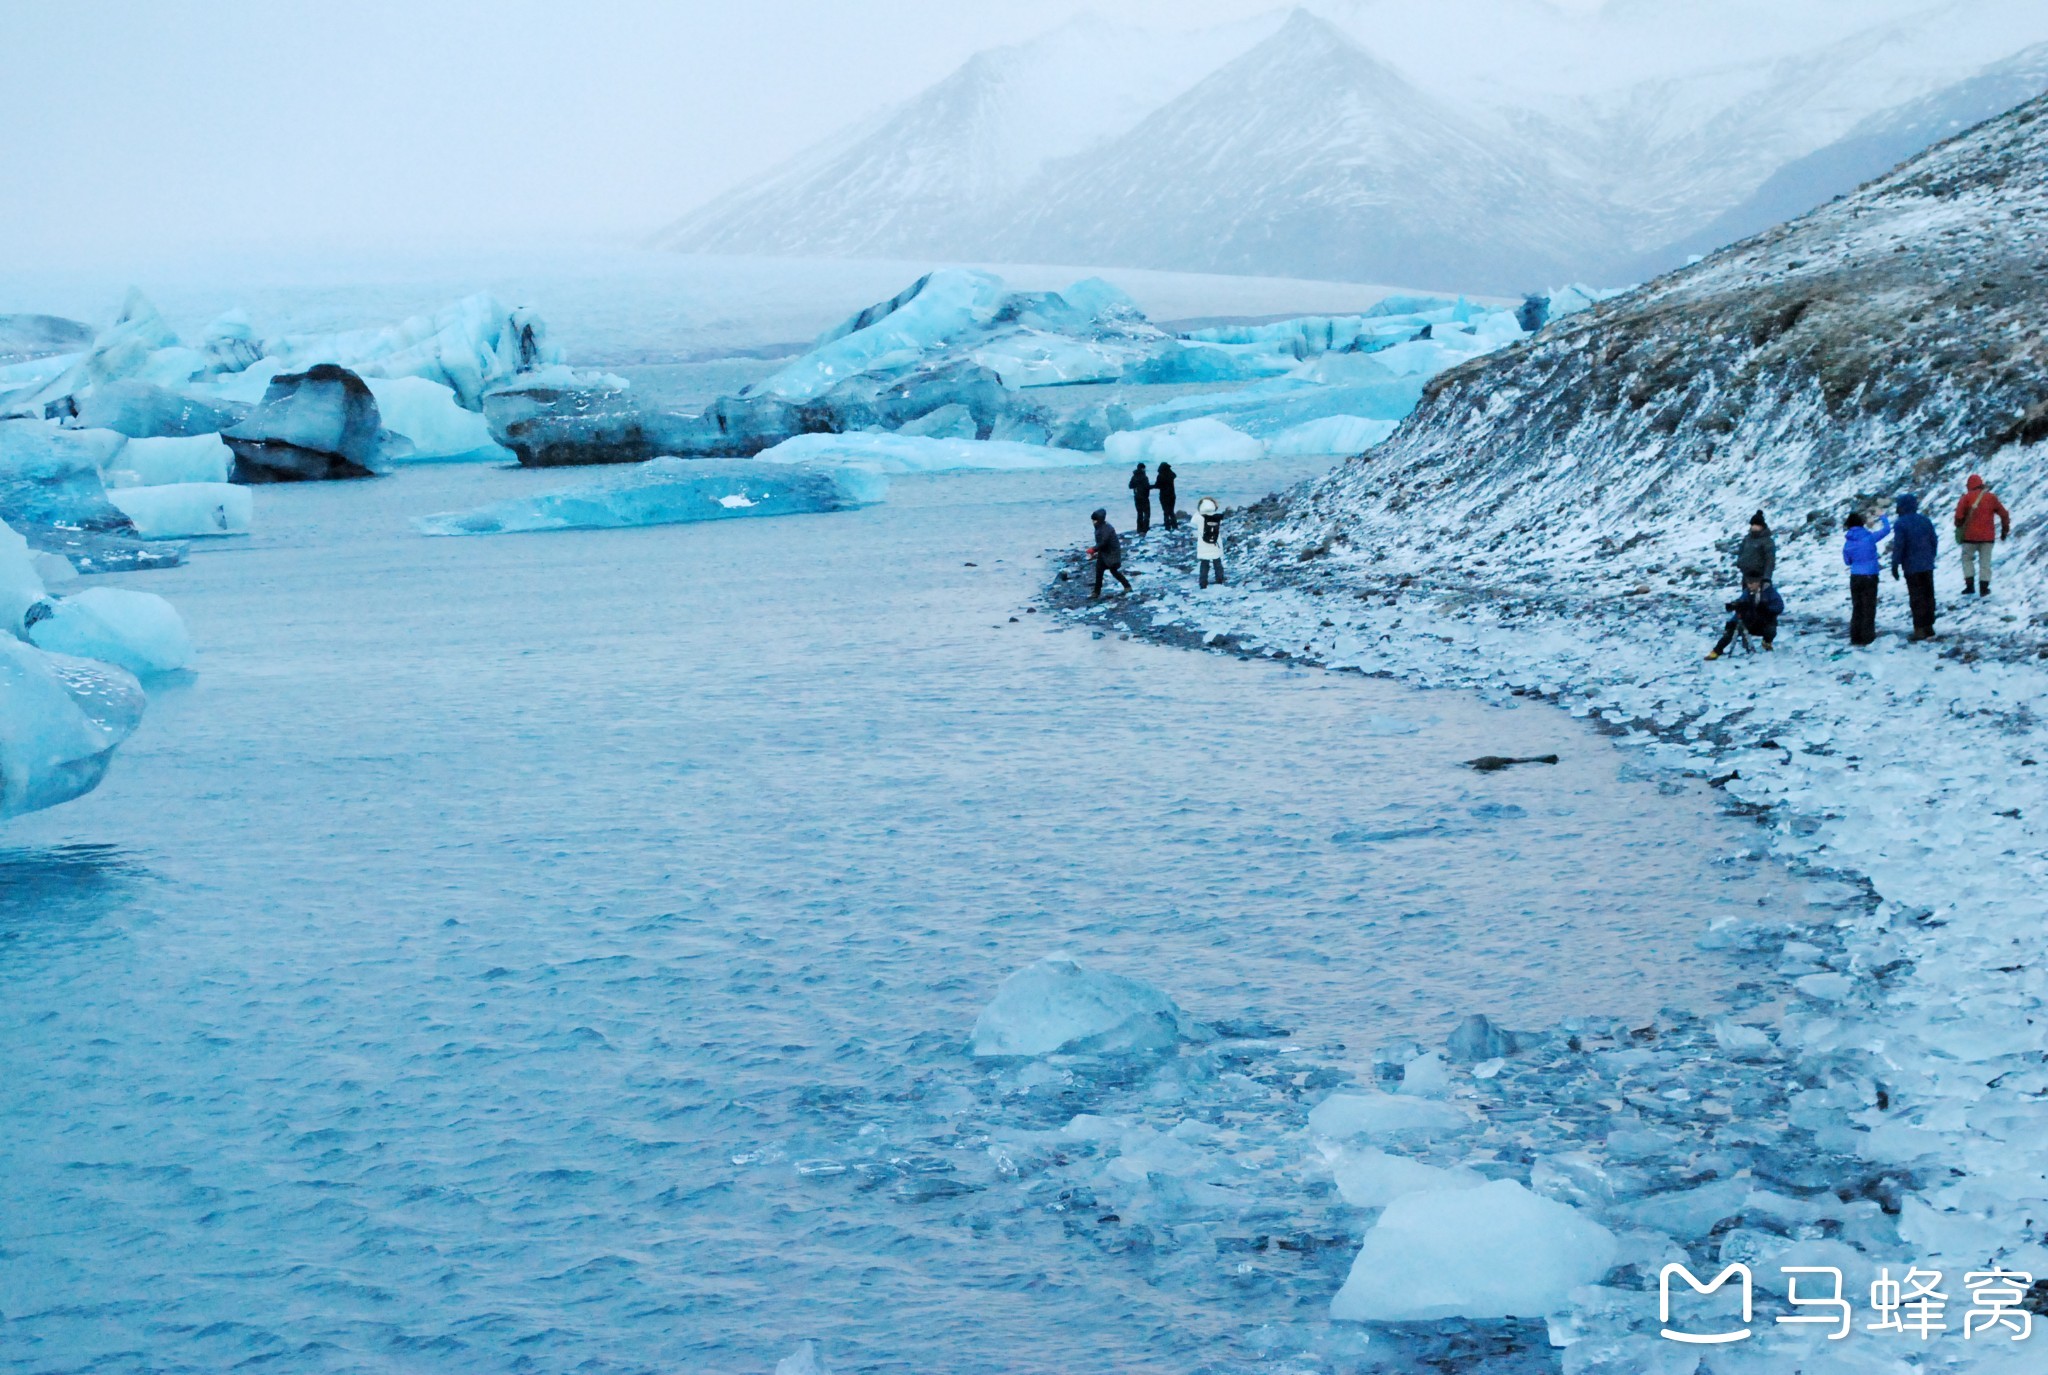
(1472,144)
(930,176)
(1870,149)
(1306,157)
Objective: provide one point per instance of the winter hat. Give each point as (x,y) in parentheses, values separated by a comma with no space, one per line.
(1098,514)
(1757,518)
(1207,505)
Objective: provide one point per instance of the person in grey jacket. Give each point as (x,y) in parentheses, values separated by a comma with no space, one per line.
(1757,559)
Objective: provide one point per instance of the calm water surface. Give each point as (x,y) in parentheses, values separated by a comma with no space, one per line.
(556,952)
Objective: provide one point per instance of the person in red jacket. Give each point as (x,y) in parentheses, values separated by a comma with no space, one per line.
(1980,518)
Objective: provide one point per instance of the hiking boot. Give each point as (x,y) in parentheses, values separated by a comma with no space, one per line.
(1769,646)
(1984,589)
(1713,654)
(1969,587)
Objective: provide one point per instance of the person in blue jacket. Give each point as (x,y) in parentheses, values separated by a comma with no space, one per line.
(1914,546)
(1756,610)
(1859,551)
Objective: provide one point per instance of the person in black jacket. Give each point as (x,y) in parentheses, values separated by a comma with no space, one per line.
(1756,610)
(1915,546)
(1108,551)
(1141,496)
(1758,556)
(1162,482)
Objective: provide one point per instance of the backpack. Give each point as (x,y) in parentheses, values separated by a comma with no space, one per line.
(1212,529)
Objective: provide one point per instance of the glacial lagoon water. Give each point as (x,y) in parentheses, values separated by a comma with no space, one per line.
(557,952)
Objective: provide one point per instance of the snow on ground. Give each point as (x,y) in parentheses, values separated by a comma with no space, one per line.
(1916,1045)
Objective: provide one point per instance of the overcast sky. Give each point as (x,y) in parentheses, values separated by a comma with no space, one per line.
(132,126)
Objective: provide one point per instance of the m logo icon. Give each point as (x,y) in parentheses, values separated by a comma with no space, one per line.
(1711,1339)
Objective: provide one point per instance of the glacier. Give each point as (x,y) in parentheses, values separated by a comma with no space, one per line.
(186,510)
(671,491)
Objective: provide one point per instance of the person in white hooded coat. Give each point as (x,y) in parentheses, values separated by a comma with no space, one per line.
(1209,540)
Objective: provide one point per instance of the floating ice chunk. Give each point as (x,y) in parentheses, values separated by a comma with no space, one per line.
(187,510)
(428,414)
(802,1361)
(936,308)
(144,410)
(1056,1005)
(671,491)
(1383,1115)
(1368,1177)
(1496,1251)
(1202,440)
(898,453)
(1334,435)
(60,722)
(51,491)
(164,462)
(138,631)
(318,424)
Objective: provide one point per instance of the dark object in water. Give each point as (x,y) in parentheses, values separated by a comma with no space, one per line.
(1489,763)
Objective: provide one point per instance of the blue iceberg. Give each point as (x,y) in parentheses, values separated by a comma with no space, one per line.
(672,491)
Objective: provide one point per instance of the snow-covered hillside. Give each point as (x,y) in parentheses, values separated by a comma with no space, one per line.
(1888,342)
(1507,142)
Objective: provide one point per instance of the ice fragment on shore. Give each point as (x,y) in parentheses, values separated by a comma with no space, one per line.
(1056,1005)
(1383,1115)
(1492,1252)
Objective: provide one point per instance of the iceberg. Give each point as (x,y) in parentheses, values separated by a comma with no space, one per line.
(60,721)
(137,631)
(671,491)
(901,453)
(186,510)
(51,491)
(937,307)
(559,417)
(318,424)
(1056,1005)
(1496,1251)
(1202,440)
(433,420)
(164,462)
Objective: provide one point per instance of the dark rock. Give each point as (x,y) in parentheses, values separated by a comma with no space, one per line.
(1489,763)
(314,425)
